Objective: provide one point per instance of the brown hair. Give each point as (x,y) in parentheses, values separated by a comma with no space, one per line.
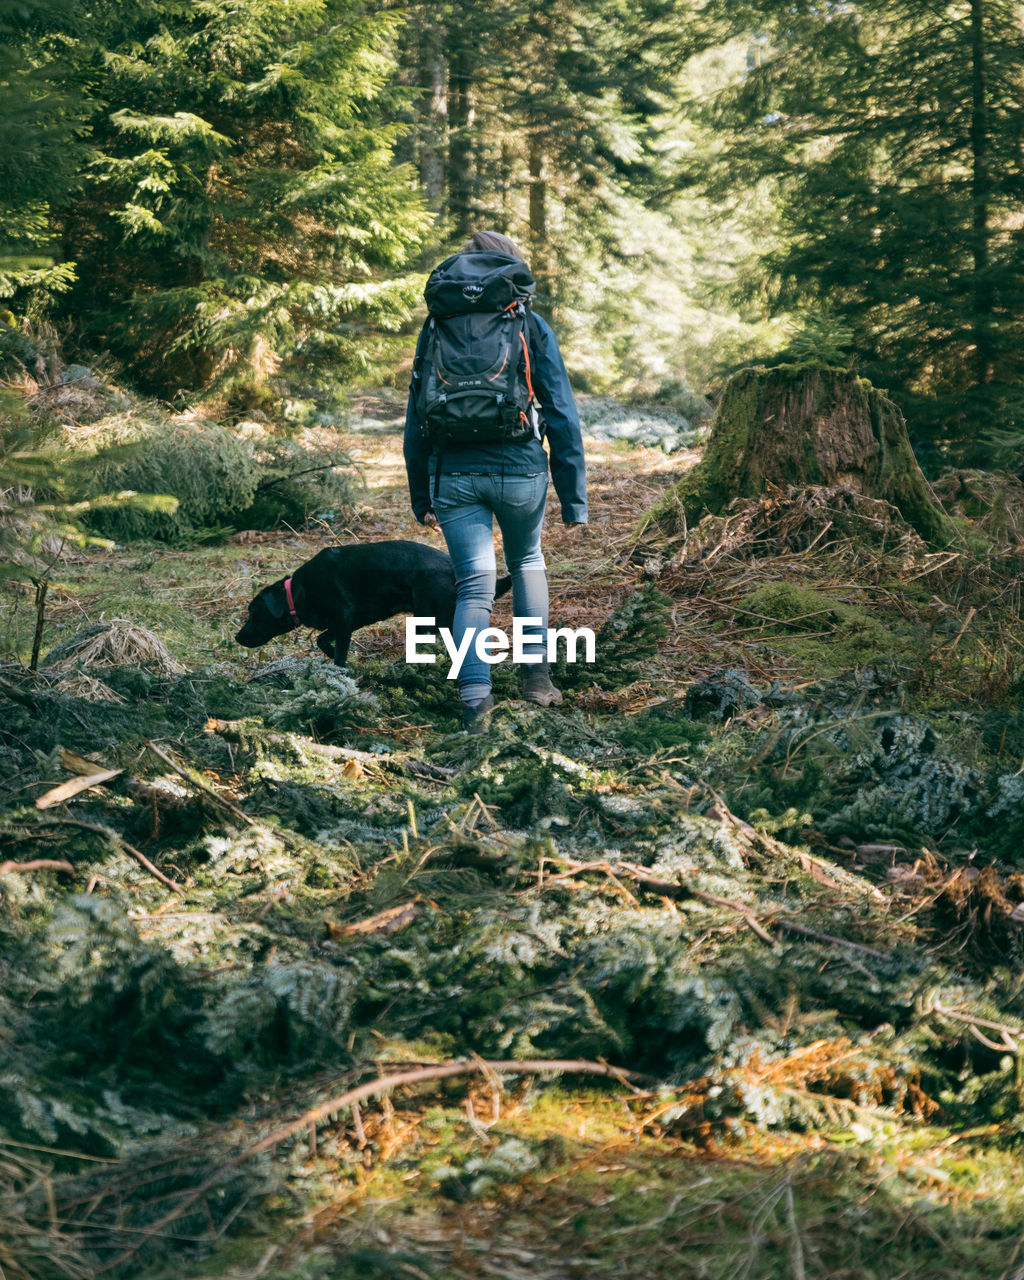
(493,242)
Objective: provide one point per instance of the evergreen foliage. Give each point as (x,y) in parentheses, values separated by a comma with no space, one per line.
(207,471)
(39,149)
(144,475)
(239,212)
(894,149)
(297,482)
(541,118)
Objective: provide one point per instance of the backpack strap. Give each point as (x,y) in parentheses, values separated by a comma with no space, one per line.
(417,364)
(439,450)
(517,340)
(537,339)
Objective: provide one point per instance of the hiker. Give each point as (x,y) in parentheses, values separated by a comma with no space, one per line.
(485,370)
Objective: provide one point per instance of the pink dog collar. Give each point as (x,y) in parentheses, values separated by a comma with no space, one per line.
(288,597)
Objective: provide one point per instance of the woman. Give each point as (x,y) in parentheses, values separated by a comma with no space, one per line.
(481,482)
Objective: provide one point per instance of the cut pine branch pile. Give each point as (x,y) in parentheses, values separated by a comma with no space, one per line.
(854,550)
(572,888)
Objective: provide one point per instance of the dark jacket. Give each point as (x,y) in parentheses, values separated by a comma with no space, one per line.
(551,384)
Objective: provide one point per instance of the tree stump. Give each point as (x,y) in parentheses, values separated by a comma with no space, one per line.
(799,425)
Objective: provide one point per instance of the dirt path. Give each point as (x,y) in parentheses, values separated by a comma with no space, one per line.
(195,597)
(588,569)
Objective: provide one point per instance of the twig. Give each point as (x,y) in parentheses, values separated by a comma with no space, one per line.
(671,889)
(306,471)
(668,889)
(200,785)
(796,1247)
(315,1115)
(42,587)
(967,622)
(1009,1045)
(19,696)
(791,926)
(39,864)
(120,843)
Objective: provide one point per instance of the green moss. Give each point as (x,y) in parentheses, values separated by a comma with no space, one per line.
(826,634)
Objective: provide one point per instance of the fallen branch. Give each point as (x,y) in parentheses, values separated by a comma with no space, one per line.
(668,889)
(673,889)
(200,785)
(236,731)
(120,843)
(316,1115)
(40,864)
(74,786)
(135,787)
(1009,1044)
(791,926)
(19,695)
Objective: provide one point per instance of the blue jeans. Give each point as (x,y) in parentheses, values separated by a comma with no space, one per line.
(466,506)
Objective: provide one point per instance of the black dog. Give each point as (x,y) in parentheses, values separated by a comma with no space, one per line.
(344,588)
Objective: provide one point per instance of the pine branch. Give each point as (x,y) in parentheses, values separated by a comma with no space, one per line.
(236,731)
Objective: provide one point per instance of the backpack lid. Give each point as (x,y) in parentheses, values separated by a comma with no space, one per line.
(484,281)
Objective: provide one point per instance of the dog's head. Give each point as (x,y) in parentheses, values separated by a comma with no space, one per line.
(268,617)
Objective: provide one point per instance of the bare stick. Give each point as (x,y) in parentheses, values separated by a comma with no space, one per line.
(42,586)
(40,864)
(1009,1045)
(791,926)
(19,695)
(198,783)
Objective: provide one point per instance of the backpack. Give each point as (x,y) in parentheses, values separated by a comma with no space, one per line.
(472,382)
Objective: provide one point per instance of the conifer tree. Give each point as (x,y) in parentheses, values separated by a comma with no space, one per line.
(893,129)
(38,148)
(241,207)
(538,117)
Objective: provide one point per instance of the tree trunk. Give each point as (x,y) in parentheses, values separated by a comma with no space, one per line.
(980,196)
(803,425)
(461,175)
(539,219)
(435,120)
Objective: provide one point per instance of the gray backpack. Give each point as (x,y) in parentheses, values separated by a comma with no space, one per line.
(472,381)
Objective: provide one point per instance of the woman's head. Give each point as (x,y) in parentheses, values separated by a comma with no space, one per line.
(492,242)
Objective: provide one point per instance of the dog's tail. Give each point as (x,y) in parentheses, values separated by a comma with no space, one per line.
(503,585)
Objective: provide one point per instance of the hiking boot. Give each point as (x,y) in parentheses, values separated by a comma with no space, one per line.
(475,715)
(537,687)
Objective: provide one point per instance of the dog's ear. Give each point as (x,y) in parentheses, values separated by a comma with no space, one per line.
(274,600)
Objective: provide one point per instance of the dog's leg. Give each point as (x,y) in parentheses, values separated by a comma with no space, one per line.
(325,643)
(341,643)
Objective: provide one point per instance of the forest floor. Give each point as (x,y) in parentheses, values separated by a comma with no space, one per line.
(762,872)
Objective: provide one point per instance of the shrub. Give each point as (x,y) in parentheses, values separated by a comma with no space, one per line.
(208,470)
(296,482)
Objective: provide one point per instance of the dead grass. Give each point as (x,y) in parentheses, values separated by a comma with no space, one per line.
(120,643)
(89,689)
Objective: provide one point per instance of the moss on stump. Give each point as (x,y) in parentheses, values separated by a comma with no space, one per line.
(800,425)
